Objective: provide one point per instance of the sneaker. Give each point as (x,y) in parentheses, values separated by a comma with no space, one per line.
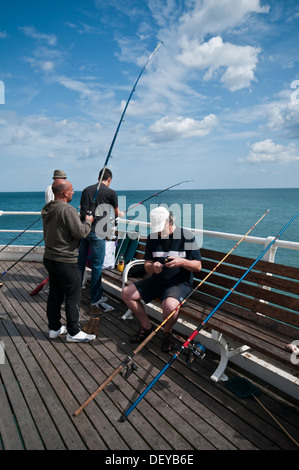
(80,337)
(168,343)
(55,334)
(101,301)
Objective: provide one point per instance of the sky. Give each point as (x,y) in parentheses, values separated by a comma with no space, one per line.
(217,103)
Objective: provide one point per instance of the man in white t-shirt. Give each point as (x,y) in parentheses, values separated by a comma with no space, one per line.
(58,174)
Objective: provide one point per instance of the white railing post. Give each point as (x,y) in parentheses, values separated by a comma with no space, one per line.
(270,254)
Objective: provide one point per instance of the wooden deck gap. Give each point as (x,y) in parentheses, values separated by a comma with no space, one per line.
(13,416)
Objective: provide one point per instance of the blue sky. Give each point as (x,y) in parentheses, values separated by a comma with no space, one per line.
(218,103)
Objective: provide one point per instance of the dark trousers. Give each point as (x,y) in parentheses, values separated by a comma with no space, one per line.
(65,285)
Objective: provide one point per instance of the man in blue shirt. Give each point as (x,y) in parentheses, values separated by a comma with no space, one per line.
(106,201)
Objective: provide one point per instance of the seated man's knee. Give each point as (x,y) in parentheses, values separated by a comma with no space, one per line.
(130,293)
(126,293)
(169,305)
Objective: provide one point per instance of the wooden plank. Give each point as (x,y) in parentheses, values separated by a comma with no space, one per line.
(197,412)
(163,420)
(51,393)
(264,266)
(204,304)
(268,279)
(86,366)
(90,438)
(253,304)
(29,436)
(247,334)
(10,438)
(170,395)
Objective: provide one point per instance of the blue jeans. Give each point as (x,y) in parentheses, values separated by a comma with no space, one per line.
(97,248)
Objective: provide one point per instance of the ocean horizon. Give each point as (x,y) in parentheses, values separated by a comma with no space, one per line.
(222,210)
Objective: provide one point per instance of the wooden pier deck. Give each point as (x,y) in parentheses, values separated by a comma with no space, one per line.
(43,382)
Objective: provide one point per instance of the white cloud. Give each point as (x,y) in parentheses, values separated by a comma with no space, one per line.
(167,129)
(39,135)
(284,115)
(84,28)
(214,16)
(214,55)
(31,32)
(43,65)
(44,59)
(267,151)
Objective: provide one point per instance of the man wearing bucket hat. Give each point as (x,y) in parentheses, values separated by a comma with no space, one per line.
(57,175)
(171,257)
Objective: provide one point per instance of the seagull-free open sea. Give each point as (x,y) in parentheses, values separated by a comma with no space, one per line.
(226,210)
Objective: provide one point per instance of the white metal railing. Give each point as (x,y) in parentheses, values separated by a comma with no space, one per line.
(18,213)
(264,241)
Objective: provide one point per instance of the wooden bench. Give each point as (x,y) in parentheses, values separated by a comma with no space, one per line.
(261,315)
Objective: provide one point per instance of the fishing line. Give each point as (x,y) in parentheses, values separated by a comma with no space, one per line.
(44,282)
(110,149)
(25,230)
(200,327)
(118,127)
(153,333)
(141,202)
(156,194)
(14,264)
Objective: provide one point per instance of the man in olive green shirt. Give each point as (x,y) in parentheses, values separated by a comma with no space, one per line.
(63,230)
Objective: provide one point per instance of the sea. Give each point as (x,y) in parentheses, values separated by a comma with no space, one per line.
(221,210)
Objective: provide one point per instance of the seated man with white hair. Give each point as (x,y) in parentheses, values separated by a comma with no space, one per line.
(171,257)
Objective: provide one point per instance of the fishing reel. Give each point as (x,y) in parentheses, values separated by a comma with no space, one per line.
(194,351)
(129,370)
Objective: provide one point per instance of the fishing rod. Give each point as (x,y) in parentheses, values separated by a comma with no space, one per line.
(22,257)
(141,202)
(153,333)
(109,152)
(108,155)
(39,287)
(25,230)
(44,282)
(156,194)
(118,127)
(200,327)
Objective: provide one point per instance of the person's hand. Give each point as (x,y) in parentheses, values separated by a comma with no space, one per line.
(157,267)
(172,262)
(89,217)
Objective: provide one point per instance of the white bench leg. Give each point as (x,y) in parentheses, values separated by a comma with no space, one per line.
(225,355)
(128,315)
(219,372)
